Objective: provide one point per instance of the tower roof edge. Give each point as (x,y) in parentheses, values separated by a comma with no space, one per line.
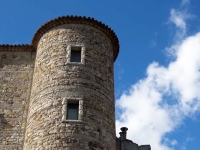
(78,20)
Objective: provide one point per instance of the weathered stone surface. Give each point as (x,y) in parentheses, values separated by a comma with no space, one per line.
(55,78)
(16,70)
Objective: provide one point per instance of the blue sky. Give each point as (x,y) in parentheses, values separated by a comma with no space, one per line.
(157,78)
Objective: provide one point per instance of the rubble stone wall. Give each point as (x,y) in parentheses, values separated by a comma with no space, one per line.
(55,80)
(16,69)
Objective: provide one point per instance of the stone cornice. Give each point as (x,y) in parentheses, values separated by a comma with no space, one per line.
(78,20)
(13,48)
(65,20)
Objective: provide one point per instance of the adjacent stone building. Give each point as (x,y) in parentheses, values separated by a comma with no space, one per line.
(58,92)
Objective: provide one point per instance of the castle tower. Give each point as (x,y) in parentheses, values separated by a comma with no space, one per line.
(72,96)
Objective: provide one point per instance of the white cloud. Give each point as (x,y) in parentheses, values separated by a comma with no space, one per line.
(158,104)
(170,142)
(174,142)
(178,18)
(184,2)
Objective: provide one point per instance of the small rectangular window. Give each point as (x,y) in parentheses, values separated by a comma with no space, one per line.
(72,111)
(75,54)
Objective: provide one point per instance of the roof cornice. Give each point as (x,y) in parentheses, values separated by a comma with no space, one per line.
(78,20)
(13,48)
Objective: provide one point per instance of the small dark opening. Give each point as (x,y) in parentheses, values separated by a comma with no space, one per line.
(72,111)
(75,54)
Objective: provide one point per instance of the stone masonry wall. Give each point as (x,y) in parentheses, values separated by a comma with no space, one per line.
(56,80)
(16,70)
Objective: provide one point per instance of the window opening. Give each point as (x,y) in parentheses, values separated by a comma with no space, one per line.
(72,111)
(75,54)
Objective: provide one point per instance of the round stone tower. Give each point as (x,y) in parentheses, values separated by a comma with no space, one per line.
(72,97)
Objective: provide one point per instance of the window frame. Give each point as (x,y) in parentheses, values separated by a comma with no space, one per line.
(65,102)
(68,55)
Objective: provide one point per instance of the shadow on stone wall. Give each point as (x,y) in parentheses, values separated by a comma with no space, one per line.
(4,123)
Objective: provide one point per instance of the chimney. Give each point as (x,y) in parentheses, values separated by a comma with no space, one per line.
(123,133)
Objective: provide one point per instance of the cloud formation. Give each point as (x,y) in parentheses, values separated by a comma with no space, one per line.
(184,2)
(158,104)
(178,18)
